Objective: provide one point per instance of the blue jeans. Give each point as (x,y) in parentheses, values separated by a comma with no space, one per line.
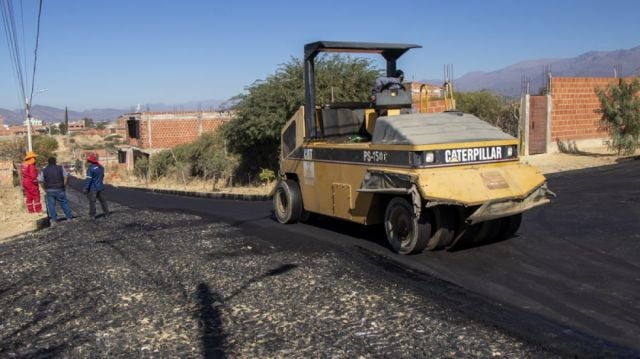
(57,195)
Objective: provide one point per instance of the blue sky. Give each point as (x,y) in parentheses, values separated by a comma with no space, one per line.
(118,53)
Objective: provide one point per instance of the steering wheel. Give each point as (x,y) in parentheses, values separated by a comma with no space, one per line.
(388,86)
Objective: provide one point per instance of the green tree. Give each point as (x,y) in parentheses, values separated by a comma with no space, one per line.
(483,104)
(63,128)
(12,149)
(620,108)
(261,113)
(15,149)
(492,108)
(44,147)
(88,122)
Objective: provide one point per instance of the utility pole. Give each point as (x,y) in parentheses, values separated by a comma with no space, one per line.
(27,102)
(28,113)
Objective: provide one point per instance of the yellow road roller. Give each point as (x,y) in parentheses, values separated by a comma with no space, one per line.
(435,180)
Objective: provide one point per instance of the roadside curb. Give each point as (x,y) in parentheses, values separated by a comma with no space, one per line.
(229,196)
(628,158)
(42,223)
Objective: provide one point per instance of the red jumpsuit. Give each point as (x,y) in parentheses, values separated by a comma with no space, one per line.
(30,187)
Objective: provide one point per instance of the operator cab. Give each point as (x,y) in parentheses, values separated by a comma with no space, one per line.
(347,120)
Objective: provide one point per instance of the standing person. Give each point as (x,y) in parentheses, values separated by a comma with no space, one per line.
(54,180)
(29,174)
(94,186)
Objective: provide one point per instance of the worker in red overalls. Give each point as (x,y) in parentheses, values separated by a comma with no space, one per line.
(30,187)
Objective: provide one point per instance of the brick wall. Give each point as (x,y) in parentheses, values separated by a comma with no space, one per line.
(576,108)
(436,101)
(435,105)
(159,130)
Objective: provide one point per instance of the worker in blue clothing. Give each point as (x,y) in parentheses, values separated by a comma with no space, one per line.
(94,186)
(54,180)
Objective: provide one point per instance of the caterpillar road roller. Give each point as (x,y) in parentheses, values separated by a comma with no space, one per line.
(435,180)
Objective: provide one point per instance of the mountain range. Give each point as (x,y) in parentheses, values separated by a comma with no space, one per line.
(507,81)
(53,114)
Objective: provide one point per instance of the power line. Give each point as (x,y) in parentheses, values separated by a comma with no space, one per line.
(8,21)
(11,33)
(35,52)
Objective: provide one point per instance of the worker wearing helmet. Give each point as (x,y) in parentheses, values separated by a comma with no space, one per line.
(29,174)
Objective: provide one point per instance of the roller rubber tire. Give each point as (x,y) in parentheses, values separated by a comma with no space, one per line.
(406,233)
(287,202)
(444,229)
(509,226)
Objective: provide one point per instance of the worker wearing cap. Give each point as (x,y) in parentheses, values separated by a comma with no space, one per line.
(29,174)
(94,186)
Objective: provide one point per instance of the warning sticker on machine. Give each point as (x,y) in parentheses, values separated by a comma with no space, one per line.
(309,172)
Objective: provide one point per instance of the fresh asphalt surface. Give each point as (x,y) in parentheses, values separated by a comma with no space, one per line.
(570,277)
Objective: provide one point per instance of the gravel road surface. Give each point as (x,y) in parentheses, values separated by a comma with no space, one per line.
(143,283)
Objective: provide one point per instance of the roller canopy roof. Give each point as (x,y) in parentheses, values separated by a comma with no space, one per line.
(388,51)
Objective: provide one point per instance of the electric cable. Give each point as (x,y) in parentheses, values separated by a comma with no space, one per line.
(11,33)
(35,53)
(12,43)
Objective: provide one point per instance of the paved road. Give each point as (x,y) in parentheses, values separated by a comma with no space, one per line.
(576,261)
(570,278)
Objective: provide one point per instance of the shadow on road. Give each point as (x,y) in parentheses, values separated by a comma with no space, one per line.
(213,338)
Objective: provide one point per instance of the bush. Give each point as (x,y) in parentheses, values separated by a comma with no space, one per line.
(93,147)
(205,158)
(620,108)
(141,168)
(267,175)
(112,137)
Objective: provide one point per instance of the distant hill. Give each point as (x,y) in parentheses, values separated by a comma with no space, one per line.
(508,81)
(53,114)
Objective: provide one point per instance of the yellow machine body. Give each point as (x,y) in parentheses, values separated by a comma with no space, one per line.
(331,173)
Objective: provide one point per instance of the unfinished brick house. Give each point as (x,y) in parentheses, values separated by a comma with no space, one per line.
(426,97)
(149,132)
(567,119)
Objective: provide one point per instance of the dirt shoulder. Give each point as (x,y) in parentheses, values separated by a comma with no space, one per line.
(560,162)
(14,216)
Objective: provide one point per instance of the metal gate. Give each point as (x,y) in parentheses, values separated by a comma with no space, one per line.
(537,125)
